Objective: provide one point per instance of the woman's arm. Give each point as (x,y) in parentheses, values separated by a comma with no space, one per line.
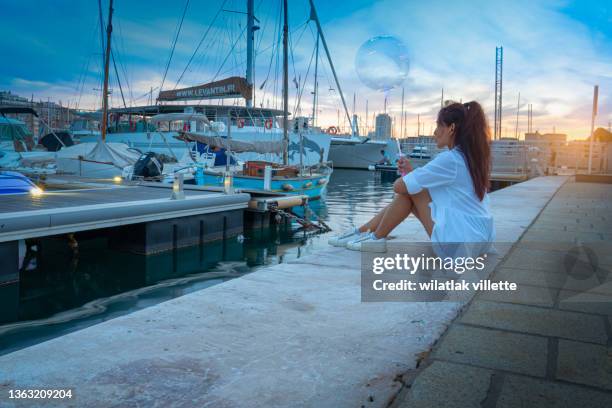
(442,170)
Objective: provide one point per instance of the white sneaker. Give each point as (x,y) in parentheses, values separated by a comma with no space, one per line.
(368,243)
(342,239)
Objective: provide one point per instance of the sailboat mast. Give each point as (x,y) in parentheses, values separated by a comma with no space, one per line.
(315,17)
(250,46)
(109,30)
(100,15)
(285,84)
(316,83)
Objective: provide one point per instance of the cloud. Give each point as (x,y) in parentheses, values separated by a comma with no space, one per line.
(547,55)
(552,56)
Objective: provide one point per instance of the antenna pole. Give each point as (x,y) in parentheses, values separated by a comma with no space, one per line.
(595,95)
(402,117)
(366,119)
(518,108)
(499,63)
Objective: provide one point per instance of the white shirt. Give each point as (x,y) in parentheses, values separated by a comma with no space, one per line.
(459,216)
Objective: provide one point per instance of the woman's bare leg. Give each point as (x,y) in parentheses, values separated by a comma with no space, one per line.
(397,211)
(403,204)
(373,223)
(422,211)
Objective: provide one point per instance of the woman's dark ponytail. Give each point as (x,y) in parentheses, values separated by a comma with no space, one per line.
(472,136)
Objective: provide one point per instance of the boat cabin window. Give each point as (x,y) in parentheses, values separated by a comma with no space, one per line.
(135,126)
(11,131)
(82,124)
(254,121)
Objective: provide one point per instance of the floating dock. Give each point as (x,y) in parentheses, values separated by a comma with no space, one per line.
(141,219)
(292,334)
(58,212)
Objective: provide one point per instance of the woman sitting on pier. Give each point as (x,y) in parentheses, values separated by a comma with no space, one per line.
(448,195)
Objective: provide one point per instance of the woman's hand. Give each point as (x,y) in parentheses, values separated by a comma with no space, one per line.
(403,165)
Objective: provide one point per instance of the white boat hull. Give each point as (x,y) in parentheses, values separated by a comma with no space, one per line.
(348,153)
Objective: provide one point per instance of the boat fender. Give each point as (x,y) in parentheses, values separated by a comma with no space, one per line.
(322,181)
(308,184)
(268,124)
(287,187)
(240,123)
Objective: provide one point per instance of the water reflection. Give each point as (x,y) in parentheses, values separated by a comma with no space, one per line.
(64,290)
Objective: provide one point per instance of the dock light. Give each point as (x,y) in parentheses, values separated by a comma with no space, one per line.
(177,187)
(228,183)
(117,179)
(36,191)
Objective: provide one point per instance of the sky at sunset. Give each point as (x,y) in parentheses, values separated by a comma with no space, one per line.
(554,52)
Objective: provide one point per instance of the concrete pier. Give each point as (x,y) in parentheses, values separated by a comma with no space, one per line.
(294,334)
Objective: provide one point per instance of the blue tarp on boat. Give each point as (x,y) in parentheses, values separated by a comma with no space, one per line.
(12,182)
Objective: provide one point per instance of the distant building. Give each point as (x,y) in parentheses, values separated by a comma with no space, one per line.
(602,135)
(383,126)
(546,137)
(8,98)
(55,115)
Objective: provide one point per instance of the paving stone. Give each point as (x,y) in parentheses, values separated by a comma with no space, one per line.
(548,279)
(537,320)
(586,302)
(526,295)
(527,392)
(603,250)
(575,259)
(554,225)
(564,236)
(553,246)
(536,259)
(494,349)
(582,363)
(448,385)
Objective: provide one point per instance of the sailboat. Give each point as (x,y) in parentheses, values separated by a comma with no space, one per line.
(18,146)
(141,127)
(253,137)
(266,175)
(56,153)
(101,159)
